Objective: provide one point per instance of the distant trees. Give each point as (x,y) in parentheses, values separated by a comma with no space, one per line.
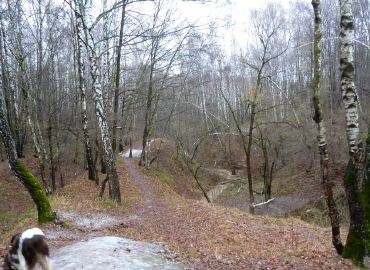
(138,71)
(267,46)
(159,68)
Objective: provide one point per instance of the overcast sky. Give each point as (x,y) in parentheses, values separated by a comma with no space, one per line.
(231,19)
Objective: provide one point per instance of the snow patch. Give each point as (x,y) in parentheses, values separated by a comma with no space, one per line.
(91,220)
(135,153)
(111,252)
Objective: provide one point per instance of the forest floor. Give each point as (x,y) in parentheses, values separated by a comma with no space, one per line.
(198,234)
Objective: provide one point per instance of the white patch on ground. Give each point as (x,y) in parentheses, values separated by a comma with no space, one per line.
(135,153)
(88,220)
(112,253)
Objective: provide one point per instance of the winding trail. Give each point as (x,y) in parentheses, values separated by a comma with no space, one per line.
(202,235)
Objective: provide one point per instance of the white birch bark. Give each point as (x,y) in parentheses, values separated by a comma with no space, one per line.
(354,248)
(112,176)
(349,93)
(107,96)
(82,89)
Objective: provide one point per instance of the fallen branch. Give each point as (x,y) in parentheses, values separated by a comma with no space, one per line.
(259,204)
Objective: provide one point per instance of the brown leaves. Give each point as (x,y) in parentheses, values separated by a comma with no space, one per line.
(207,236)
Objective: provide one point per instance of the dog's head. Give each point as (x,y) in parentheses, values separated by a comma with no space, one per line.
(12,249)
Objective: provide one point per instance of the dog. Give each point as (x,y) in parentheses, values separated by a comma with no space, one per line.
(26,249)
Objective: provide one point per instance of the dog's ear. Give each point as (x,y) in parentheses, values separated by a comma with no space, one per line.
(14,237)
(14,243)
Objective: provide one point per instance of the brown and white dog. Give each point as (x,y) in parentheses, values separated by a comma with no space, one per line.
(26,250)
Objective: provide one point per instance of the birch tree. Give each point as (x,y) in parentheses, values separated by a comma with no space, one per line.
(354,248)
(16,33)
(82,90)
(25,177)
(321,138)
(112,176)
(15,109)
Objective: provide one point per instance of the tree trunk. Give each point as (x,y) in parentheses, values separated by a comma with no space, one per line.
(149,118)
(14,109)
(52,160)
(188,162)
(117,76)
(26,178)
(354,248)
(248,155)
(114,189)
(366,196)
(82,88)
(318,118)
(267,172)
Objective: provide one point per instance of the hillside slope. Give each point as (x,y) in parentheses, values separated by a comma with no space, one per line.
(204,236)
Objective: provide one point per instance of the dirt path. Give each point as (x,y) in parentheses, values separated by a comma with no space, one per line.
(89,225)
(93,223)
(201,235)
(143,182)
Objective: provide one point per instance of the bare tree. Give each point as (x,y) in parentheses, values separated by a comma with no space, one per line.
(116,95)
(159,66)
(321,138)
(267,33)
(112,176)
(25,177)
(82,90)
(354,248)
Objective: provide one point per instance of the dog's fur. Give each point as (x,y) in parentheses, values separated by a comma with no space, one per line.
(26,250)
